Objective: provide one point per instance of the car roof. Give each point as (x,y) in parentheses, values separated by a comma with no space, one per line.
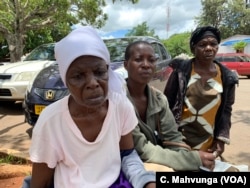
(232,54)
(134,38)
(112,43)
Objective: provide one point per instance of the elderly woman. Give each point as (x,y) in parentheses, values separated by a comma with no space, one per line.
(201,93)
(85,139)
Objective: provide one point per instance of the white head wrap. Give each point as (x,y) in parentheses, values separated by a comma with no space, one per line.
(85,41)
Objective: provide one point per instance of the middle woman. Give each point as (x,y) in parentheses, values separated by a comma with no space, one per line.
(156,137)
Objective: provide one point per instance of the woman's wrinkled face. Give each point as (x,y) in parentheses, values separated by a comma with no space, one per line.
(206,48)
(87,81)
(141,63)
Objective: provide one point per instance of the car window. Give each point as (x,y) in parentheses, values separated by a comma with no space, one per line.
(116,49)
(218,58)
(157,50)
(240,59)
(244,58)
(232,58)
(229,59)
(164,53)
(45,52)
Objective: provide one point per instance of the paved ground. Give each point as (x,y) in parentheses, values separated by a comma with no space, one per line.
(14,139)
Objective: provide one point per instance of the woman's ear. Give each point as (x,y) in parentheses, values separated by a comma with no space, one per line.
(125,64)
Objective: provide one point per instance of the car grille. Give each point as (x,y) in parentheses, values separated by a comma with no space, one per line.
(5,76)
(51,94)
(5,92)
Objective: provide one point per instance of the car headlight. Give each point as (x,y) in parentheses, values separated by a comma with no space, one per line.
(25,76)
(29,86)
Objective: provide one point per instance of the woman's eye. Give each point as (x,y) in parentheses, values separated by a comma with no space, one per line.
(77,76)
(202,45)
(101,73)
(153,60)
(138,60)
(214,44)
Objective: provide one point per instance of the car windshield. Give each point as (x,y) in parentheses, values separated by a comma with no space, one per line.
(117,48)
(44,52)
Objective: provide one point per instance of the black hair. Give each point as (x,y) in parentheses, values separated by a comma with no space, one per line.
(131,45)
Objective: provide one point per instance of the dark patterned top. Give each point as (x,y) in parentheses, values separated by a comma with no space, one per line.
(201,103)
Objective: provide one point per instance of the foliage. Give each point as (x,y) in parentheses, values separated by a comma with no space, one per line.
(231,17)
(239,46)
(212,11)
(27,24)
(11,159)
(20,19)
(133,1)
(142,30)
(178,44)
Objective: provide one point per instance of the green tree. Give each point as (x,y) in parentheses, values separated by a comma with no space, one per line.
(142,30)
(20,19)
(231,17)
(212,12)
(178,44)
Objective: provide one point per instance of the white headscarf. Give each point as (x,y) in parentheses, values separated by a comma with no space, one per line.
(85,41)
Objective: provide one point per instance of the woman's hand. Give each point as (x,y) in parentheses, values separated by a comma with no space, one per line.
(217,147)
(208,159)
(150,185)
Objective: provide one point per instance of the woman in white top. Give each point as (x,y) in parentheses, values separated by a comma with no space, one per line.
(77,140)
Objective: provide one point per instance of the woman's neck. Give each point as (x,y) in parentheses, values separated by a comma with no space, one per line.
(136,89)
(204,65)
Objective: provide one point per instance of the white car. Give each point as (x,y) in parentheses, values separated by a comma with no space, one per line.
(15,77)
(122,71)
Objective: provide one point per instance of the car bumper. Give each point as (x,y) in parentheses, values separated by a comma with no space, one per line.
(30,102)
(8,91)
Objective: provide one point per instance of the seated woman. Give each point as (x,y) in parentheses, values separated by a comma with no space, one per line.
(156,137)
(201,93)
(84,140)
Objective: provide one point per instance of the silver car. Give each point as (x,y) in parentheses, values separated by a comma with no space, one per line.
(15,77)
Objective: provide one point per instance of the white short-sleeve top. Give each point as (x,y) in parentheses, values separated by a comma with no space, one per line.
(57,141)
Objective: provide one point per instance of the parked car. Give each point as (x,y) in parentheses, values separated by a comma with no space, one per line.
(117,49)
(4,63)
(48,87)
(15,77)
(238,62)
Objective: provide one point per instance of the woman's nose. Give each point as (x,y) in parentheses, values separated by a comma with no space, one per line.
(145,62)
(92,81)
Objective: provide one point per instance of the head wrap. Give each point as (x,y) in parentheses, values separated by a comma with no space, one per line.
(201,32)
(85,41)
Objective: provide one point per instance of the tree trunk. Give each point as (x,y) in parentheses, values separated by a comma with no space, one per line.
(15,43)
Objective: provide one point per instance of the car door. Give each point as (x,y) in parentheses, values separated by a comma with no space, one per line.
(231,62)
(243,65)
